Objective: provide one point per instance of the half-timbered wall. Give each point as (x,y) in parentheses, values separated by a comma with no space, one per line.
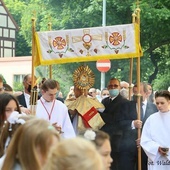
(7,33)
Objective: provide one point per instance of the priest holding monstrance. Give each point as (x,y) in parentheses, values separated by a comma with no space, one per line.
(84,110)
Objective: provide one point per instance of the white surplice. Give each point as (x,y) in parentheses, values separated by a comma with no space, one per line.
(155,134)
(59,115)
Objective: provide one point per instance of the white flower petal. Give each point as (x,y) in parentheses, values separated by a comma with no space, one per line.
(90,135)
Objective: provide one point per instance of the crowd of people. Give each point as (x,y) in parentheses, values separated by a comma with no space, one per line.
(89,129)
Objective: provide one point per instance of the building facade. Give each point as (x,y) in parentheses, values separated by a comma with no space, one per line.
(12,68)
(8,28)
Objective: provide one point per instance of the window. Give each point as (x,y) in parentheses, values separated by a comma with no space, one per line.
(18,78)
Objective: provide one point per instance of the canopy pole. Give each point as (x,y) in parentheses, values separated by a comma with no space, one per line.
(130,78)
(34,94)
(50,66)
(138,86)
(33,51)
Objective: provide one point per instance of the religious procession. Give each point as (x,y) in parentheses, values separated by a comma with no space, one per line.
(90,125)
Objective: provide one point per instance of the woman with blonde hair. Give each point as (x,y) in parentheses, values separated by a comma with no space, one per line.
(102,142)
(14,121)
(74,154)
(30,145)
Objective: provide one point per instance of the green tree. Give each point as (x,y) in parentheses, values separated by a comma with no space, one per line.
(155,41)
(4,81)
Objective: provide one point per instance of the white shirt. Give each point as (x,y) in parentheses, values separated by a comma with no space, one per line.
(27,99)
(59,115)
(144,107)
(2,161)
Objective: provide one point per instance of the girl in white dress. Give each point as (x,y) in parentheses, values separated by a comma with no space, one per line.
(30,145)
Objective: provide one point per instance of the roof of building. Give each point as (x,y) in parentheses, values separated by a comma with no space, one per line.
(12,19)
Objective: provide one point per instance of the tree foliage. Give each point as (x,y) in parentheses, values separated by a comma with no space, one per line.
(155,34)
(1,76)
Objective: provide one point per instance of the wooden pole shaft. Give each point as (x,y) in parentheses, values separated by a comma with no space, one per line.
(33,99)
(130,78)
(138,86)
(33,51)
(138,109)
(50,66)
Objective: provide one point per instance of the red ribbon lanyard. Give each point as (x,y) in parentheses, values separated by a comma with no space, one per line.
(49,114)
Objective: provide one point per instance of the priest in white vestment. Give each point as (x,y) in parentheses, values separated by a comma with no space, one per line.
(155,139)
